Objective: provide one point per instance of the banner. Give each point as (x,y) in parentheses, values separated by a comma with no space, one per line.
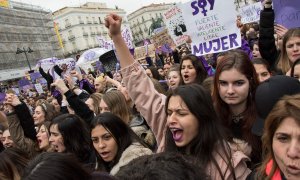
(140,52)
(105,44)
(127,36)
(109,45)
(287,13)
(250,13)
(211,29)
(175,25)
(58,35)
(4,3)
(163,38)
(48,63)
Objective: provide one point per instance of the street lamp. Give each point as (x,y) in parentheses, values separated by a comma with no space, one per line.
(19,51)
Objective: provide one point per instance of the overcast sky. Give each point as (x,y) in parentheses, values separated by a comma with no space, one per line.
(128,5)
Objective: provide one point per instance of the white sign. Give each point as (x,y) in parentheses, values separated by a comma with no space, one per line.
(105,44)
(175,24)
(39,88)
(211,25)
(109,45)
(250,13)
(126,34)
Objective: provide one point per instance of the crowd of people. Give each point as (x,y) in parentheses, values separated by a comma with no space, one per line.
(232,115)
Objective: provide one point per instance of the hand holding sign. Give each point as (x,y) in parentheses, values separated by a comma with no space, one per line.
(60,86)
(280,30)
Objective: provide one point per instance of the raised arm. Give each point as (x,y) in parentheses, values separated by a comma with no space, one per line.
(140,88)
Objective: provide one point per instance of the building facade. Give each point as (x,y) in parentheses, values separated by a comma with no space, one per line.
(79,26)
(25,26)
(144,20)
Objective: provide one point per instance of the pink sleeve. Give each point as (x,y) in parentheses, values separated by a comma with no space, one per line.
(148,101)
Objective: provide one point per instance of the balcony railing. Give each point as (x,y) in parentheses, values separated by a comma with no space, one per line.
(89,22)
(81,22)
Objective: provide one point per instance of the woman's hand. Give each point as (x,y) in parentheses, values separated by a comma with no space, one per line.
(113,24)
(60,86)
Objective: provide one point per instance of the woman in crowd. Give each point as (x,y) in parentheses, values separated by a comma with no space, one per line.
(262,68)
(21,134)
(295,70)
(44,112)
(115,102)
(93,102)
(184,111)
(255,50)
(69,134)
(192,70)
(116,144)
(234,91)
(281,146)
(173,77)
(290,51)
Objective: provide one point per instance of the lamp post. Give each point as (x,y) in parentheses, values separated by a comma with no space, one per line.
(19,51)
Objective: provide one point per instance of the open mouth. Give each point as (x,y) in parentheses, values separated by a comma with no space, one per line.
(177,133)
(104,154)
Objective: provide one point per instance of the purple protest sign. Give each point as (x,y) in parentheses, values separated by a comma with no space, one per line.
(35,75)
(287,13)
(23,82)
(2,97)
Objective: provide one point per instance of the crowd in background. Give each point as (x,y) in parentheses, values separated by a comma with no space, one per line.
(231,115)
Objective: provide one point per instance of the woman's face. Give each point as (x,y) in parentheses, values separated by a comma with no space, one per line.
(173,79)
(286,148)
(233,87)
(118,77)
(43,137)
(56,139)
(188,72)
(255,51)
(56,105)
(293,48)
(103,106)
(99,86)
(90,103)
(181,122)
(104,143)
(39,115)
(297,71)
(149,73)
(262,72)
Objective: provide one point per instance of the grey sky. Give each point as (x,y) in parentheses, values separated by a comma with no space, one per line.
(128,5)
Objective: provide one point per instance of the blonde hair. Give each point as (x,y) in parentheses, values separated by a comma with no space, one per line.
(117,105)
(284,63)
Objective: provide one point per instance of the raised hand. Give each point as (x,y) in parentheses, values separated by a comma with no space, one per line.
(280,30)
(113,24)
(12,99)
(60,86)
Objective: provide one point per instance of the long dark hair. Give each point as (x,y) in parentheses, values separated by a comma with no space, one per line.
(199,67)
(297,62)
(210,137)
(75,135)
(240,61)
(123,135)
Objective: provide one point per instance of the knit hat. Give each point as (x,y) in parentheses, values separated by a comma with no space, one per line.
(268,93)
